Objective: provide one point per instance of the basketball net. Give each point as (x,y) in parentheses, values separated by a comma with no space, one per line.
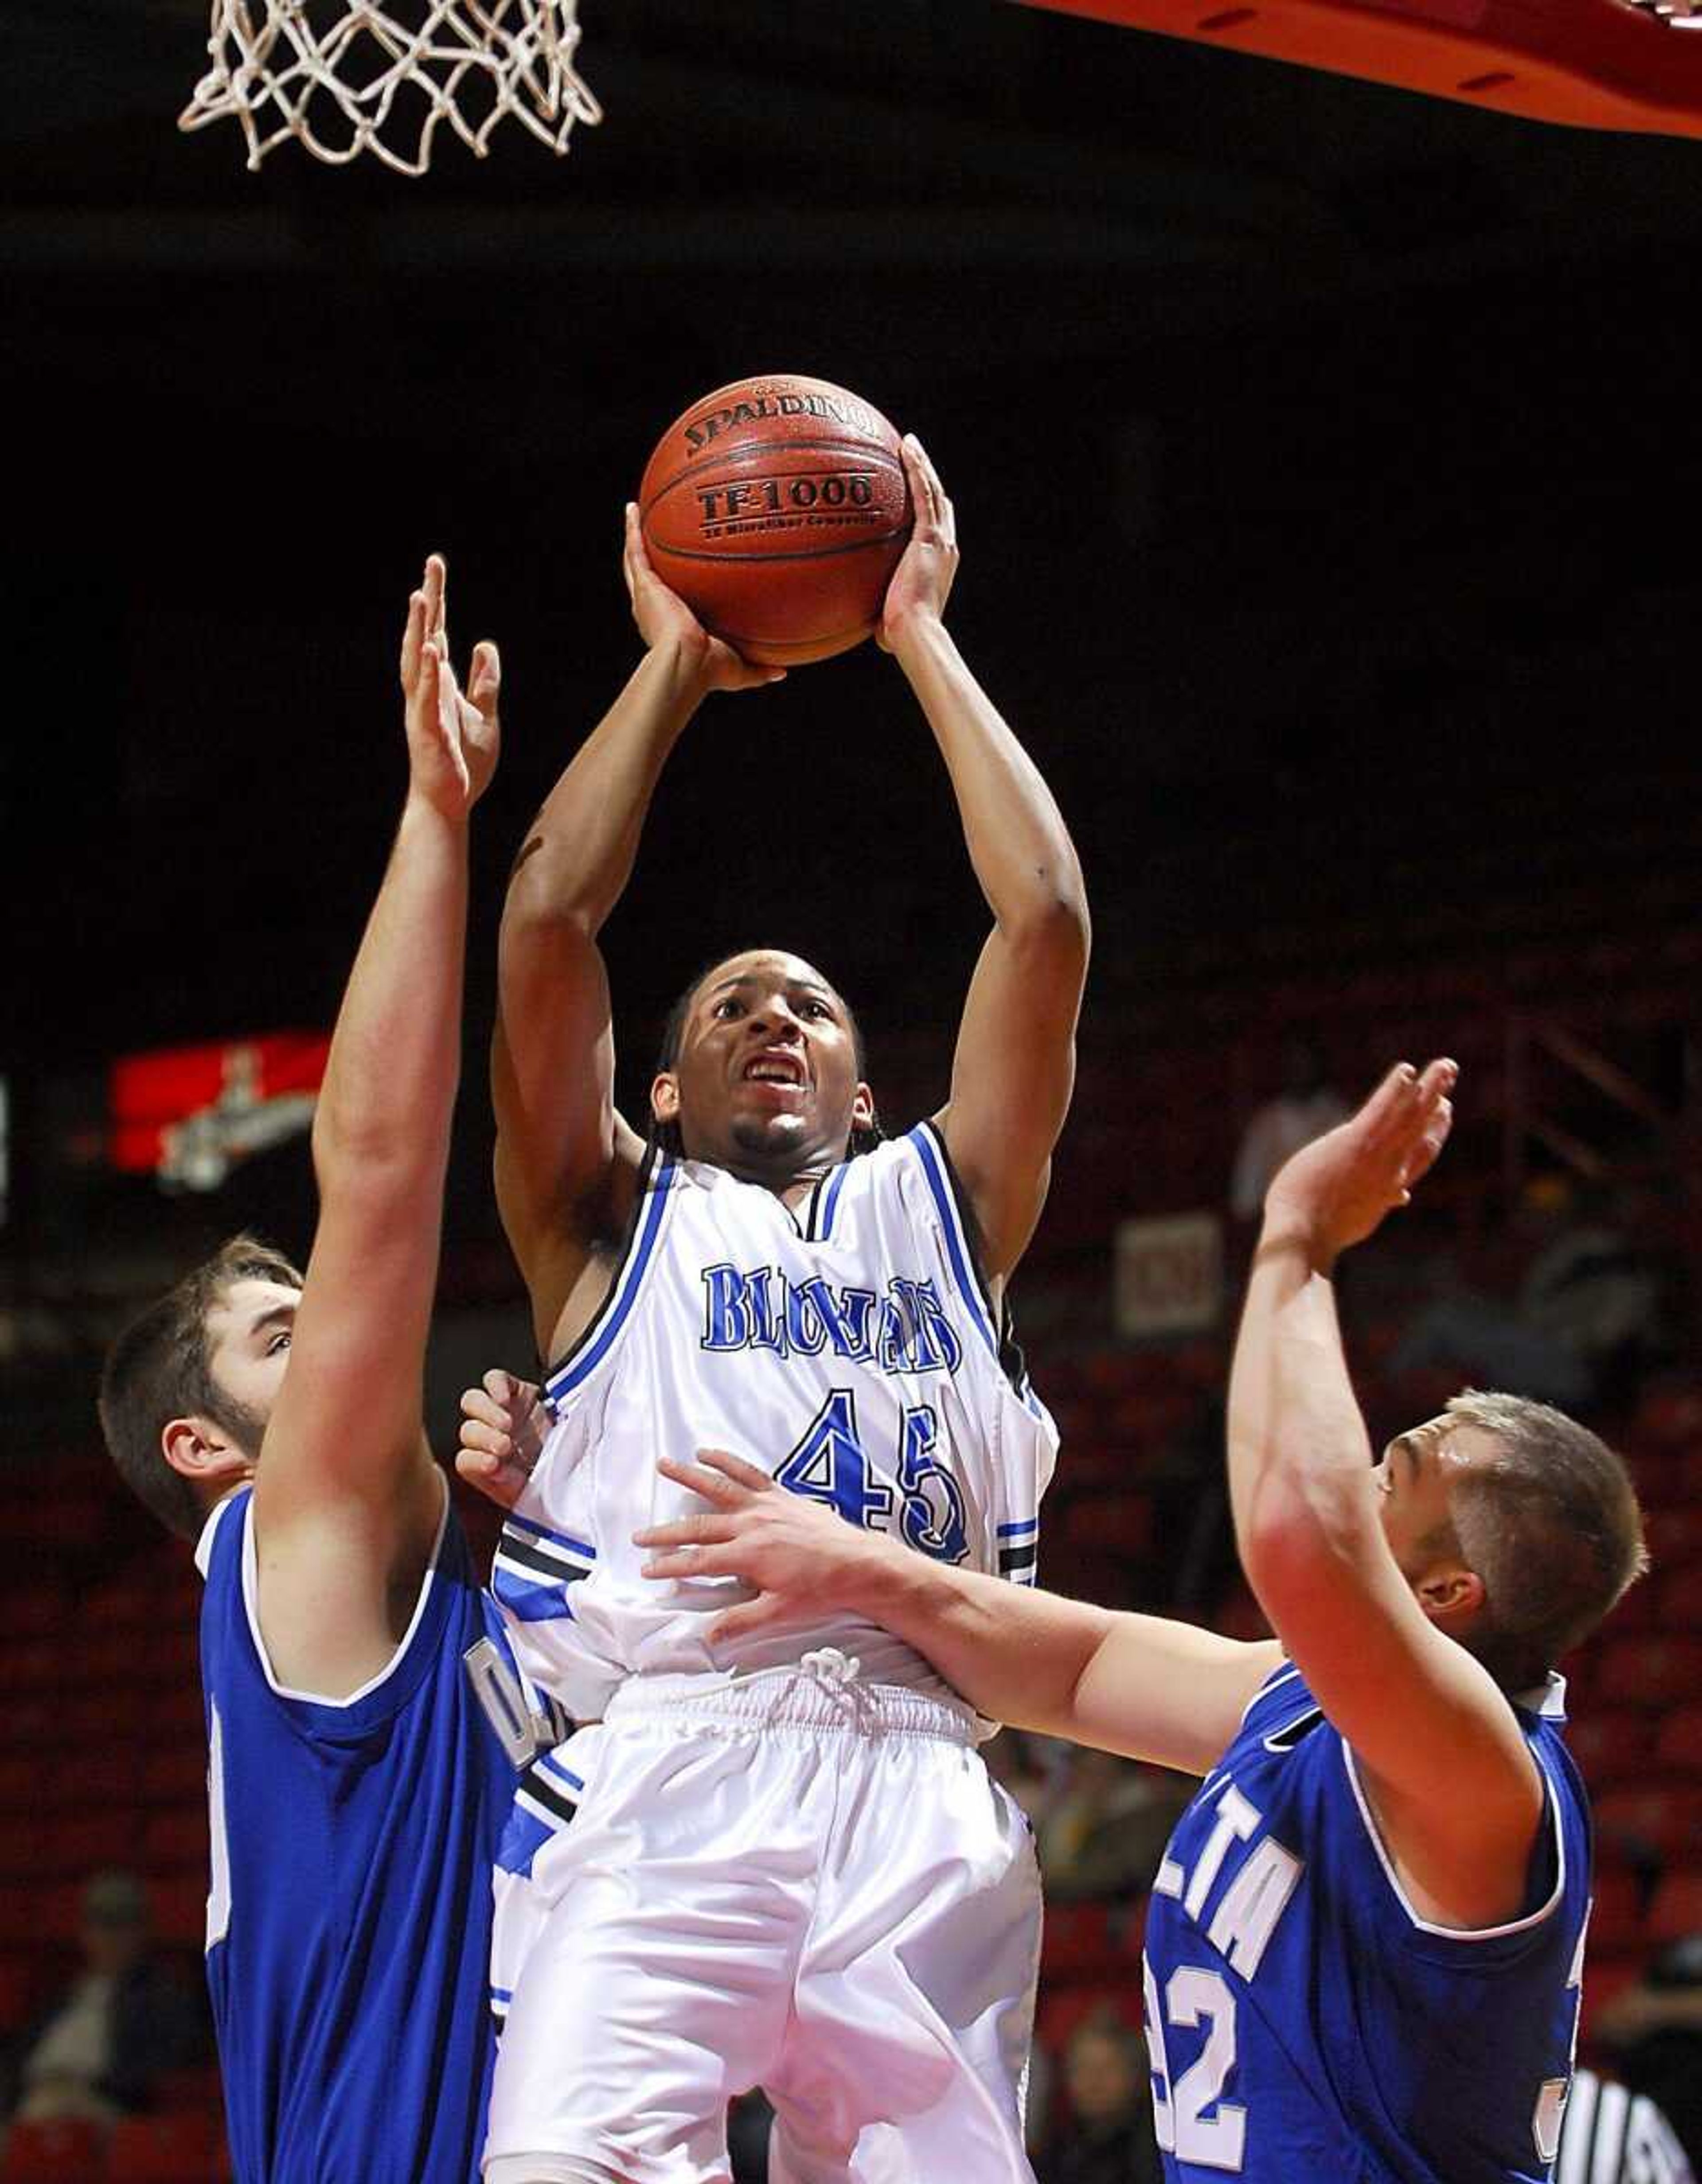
(346,76)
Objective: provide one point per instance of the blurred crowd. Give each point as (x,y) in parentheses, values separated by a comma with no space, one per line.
(109,2027)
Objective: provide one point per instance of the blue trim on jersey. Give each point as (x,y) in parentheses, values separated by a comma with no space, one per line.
(525,1836)
(528,1601)
(931,1149)
(543,1532)
(552,1807)
(833,1198)
(622,1298)
(551,1765)
(1019,1551)
(533,1568)
(545,1800)
(957,1244)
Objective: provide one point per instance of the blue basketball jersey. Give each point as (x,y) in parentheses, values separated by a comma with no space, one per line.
(1304,2022)
(349,1924)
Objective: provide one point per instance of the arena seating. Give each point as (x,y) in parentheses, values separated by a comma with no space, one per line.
(57,2151)
(172,2148)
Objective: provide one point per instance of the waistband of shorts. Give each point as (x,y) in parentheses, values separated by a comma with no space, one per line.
(823,1693)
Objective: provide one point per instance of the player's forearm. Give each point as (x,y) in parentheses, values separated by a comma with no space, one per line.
(580,850)
(1299,1459)
(1144,1685)
(1016,1655)
(381,1125)
(1017,842)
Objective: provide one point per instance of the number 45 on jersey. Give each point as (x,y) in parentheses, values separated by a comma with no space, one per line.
(829,1465)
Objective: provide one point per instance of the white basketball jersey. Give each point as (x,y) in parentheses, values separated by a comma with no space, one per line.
(848,1348)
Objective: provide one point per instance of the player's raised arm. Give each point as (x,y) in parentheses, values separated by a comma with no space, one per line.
(347,1499)
(1443,1759)
(1153,1689)
(1015,1062)
(565,1159)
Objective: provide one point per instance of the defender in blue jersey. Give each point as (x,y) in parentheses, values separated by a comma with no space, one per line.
(1367,1936)
(367,1733)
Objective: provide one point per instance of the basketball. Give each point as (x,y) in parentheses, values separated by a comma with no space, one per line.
(777,508)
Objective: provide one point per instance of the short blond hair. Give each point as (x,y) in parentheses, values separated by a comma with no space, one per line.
(1550,1521)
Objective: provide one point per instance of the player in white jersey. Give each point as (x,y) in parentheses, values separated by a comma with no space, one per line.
(789,1865)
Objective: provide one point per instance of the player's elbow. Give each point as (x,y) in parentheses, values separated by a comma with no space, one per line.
(376,1160)
(1050,929)
(550,891)
(1297,1533)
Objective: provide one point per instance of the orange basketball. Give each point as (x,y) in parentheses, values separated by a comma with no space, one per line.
(777,508)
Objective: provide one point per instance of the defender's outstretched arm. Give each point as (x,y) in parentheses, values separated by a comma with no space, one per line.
(565,1161)
(1444,1761)
(1015,1062)
(347,1499)
(1156,1690)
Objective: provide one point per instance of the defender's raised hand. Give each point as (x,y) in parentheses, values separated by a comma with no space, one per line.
(1336,1191)
(799,1555)
(452,740)
(922,582)
(665,621)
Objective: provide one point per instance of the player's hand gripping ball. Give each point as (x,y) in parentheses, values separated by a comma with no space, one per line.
(777,508)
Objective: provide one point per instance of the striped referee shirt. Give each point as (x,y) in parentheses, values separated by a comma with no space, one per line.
(1613,2137)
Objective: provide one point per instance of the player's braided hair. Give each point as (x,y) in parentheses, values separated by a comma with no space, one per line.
(666,1136)
(160,1369)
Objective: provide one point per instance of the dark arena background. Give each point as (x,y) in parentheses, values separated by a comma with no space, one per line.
(1326,461)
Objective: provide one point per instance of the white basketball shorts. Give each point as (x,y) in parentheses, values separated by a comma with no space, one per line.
(799,1881)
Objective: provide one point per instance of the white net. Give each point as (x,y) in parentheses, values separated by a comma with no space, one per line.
(346,76)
